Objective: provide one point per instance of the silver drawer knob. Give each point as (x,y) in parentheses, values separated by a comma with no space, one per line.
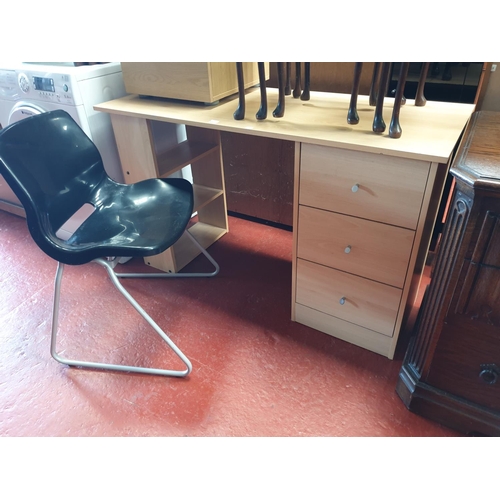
(347,249)
(355,188)
(342,301)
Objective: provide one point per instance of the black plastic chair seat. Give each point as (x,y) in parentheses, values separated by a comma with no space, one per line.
(55,169)
(133,221)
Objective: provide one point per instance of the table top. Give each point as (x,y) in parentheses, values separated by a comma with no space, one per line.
(478,158)
(429,132)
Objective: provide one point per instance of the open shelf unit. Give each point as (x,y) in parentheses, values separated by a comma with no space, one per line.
(201,150)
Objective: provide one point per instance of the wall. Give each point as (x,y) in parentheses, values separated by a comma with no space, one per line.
(491,100)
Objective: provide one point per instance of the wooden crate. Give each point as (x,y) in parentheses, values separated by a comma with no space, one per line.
(193,81)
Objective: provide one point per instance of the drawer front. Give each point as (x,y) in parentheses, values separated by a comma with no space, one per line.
(366,303)
(344,330)
(377,187)
(465,362)
(370,249)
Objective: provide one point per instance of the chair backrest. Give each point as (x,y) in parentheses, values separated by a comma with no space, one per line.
(51,165)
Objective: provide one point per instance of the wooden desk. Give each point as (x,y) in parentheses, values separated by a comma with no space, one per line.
(364,204)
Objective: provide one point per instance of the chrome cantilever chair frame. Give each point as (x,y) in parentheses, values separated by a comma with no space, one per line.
(55,170)
(109,266)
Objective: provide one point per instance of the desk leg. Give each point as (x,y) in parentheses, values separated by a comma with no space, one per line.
(134,140)
(209,172)
(296,182)
(137,152)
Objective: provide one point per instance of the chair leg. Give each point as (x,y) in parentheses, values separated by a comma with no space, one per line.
(108,366)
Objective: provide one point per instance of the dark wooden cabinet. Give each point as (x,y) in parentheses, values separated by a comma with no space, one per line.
(451,371)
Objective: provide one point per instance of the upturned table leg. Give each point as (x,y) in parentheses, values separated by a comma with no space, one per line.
(280,108)
(395,127)
(420,99)
(374,84)
(262,113)
(378,120)
(297,89)
(306,94)
(239,114)
(352,114)
(288,85)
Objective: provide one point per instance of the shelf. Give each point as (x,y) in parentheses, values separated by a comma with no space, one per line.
(182,155)
(204,195)
(205,234)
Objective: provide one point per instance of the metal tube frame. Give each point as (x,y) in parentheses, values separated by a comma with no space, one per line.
(114,279)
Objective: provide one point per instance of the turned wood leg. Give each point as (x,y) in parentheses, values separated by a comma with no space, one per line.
(395,127)
(288,85)
(378,119)
(306,94)
(298,76)
(262,113)
(280,108)
(420,99)
(374,84)
(352,114)
(239,114)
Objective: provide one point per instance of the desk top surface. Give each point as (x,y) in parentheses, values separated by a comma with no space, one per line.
(429,132)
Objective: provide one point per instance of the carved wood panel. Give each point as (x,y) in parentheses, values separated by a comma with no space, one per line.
(440,291)
(479,297)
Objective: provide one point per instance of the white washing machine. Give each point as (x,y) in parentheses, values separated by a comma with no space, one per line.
(31,88)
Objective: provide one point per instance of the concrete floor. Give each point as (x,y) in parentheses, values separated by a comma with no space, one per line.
(255,373)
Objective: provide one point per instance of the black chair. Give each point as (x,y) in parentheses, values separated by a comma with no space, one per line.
(56,171)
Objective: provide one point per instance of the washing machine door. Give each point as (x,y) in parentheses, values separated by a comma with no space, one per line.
(19,111)
(22,110)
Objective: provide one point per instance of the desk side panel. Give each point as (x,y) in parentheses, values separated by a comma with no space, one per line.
(296,185)
(134,140)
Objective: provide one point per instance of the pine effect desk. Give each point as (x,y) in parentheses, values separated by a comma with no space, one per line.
(364,204)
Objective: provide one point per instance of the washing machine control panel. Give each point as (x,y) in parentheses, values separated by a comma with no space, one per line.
(50,87)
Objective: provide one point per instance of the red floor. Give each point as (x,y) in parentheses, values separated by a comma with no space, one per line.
(255,373)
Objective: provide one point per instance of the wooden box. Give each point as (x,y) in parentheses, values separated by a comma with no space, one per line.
(193,81)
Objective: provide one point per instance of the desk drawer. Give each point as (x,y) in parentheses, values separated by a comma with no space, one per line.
(344,330)
(370,249)
(367,303)
(386,188)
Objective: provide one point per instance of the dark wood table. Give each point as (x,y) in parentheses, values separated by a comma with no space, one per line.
(451,372)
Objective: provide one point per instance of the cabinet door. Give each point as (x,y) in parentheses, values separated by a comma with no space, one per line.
(479,284)
(466,351)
